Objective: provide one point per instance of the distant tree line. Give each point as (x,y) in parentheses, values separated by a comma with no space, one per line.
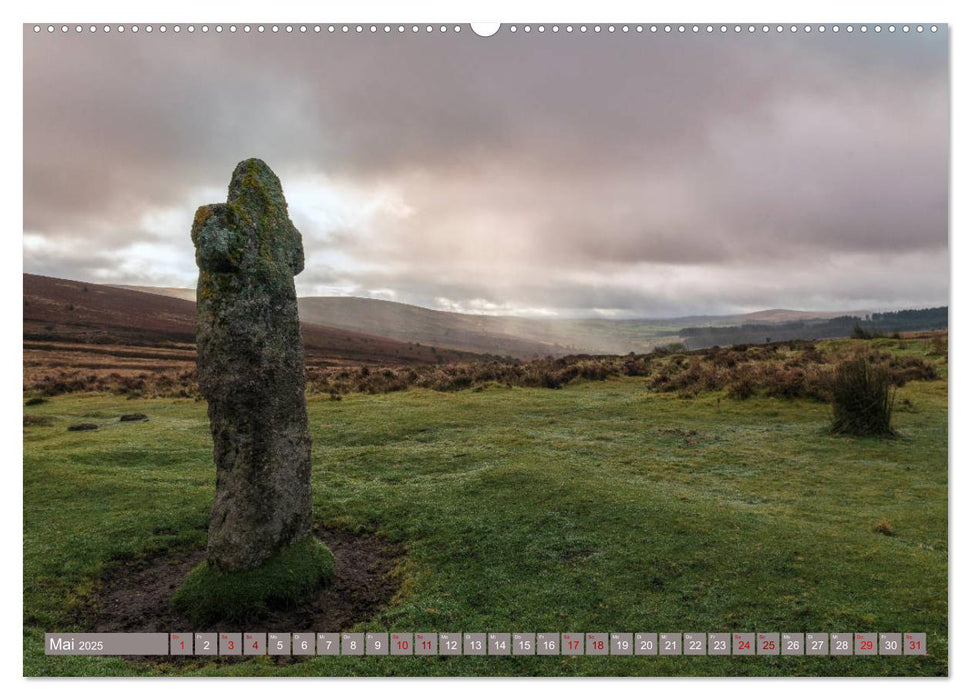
(871,325)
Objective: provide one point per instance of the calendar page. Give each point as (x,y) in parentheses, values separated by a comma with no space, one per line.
(519,349)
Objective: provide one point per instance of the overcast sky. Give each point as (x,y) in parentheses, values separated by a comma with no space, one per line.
(532,174)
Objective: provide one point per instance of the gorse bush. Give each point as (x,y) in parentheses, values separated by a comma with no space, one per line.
(862,399)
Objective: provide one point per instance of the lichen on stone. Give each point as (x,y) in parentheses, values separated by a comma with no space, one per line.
(251,370)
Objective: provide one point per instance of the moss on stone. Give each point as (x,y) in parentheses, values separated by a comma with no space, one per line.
(289,578)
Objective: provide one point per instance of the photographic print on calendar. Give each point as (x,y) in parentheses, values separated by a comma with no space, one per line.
(522,349)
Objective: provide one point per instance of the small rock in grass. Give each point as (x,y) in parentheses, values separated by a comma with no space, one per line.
(133,416)
(83,426)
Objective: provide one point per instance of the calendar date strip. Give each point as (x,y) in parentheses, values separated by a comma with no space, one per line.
(487,644)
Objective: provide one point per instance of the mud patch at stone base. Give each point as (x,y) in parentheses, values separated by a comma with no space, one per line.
(136,597)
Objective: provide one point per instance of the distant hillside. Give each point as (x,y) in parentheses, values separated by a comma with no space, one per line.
(517,336)
(94,313)
(783,316)
(509,335)
(472,333)
(817,329)
(177,292)
(67,312)
(414,324)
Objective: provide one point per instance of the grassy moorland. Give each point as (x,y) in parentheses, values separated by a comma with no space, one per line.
(600,506)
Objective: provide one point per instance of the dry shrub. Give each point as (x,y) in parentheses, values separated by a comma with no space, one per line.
(741,388)
(883,527)
(793,369)
(906,368)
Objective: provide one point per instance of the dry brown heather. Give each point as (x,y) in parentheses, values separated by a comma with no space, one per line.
(795,369)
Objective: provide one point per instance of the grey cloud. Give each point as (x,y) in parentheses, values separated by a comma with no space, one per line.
(864,282)
(524,157)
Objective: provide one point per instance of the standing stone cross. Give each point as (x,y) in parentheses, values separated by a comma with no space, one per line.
(251,370)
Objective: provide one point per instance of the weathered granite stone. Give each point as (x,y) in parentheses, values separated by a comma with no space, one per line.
(251,370)
(128,417)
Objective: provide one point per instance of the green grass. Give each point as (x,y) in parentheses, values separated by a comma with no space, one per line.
(582,509)
(290,577)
